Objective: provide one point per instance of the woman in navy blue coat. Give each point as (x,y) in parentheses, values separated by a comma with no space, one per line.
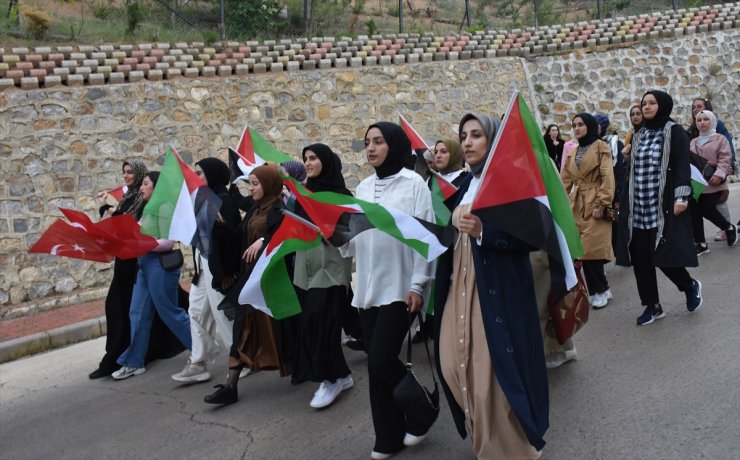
(489,349)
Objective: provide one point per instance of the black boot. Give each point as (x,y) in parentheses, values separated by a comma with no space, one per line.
(223,395)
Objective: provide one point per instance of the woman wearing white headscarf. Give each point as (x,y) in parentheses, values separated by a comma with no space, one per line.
(714,148)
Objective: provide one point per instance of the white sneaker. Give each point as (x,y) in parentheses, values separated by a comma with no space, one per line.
(328,392)
(126,372)
(192,372)
(608,293)
(379,455)
(347,339)
(599,300)
(411,440)
(558,359)
(245,372)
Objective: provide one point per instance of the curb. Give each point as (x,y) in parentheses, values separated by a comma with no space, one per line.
(55,338)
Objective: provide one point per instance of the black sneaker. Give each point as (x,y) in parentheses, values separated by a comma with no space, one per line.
(731,235)
(223,395)
(702,248)
(651,313)
(693,296)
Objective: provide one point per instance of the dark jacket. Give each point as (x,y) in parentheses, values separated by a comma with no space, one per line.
(224,261)
(509,309)
(675,241)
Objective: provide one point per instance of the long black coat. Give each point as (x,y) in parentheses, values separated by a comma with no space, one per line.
(509,309)
(675,245)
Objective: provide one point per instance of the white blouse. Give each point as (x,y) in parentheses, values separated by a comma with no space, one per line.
(386,268)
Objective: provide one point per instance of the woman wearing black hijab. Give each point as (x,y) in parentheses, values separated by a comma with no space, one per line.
(323,279)
(657,230)
(588,177)
(210,329)
(391,278)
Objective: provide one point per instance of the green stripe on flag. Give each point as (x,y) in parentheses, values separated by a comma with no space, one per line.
(266,150)
(698,183)
(441,213)
(556,196)
(157,214)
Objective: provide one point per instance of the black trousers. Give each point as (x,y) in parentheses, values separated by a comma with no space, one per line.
(706,208)
(384,330)
(593,271)
(642,248)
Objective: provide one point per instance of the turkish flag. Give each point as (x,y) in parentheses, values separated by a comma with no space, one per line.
(119,236)
(63,239)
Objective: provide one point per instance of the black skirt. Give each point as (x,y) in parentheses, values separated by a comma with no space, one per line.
(319,354)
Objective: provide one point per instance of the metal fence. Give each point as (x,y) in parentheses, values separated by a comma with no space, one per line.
(241,20)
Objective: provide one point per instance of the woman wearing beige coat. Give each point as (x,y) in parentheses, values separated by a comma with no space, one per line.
(588,177)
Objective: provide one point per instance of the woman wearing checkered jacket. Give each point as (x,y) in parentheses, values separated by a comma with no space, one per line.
(655,225)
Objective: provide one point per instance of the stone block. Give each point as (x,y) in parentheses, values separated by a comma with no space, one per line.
(117,78)
(399,59)
(384,60)
(294,66)
(309,64)
(172,73)
(155,75)
(340,63)
(277,66)
(565,46)
(465,54)
(260,68)
(616,39)
(96,79)
(6,83)
(479,54)
(191,72)
(241,69)
(537,49)
(79,57)
(145,47)
(105,70)
(603,41)
(591,42)
(439,56)
(75,80)
(208,71)
(371,60)
(224,70)
(578,44)
(135,75)
(355,62)
(427,57)
(690,30)
(84,71)
(715,26)
(61,72)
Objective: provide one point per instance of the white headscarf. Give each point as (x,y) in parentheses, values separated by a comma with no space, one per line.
(705,135)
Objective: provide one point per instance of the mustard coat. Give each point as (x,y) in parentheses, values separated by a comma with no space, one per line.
(589,187)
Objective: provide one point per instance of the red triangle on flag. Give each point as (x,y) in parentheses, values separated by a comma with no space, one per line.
(512,172)
(324,215)
(292,227)
(446,188)
(245,149)
(416,141)
(191,178)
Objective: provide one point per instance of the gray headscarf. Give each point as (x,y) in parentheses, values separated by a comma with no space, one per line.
(132,202)
(491,127)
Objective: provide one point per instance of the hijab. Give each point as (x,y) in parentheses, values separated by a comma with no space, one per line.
(132,202)
(635,128)
(330,178)
(665,106)
(295,169)
(592,129)
(217,174)
(272,188)
(456,159)
(705,135)
(399,148)
(490,127)
(603,121)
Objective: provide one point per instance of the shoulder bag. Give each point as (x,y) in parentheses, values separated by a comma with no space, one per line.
(570,313)
(413,397)
(171,260)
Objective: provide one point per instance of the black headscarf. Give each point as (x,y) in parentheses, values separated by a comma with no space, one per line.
(399,148)
(217,174)
(592,129)
(665,106)
(330,178)
(490,126)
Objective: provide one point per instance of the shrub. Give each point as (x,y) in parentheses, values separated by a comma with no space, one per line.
(135,13)
(101,10)
(36,21)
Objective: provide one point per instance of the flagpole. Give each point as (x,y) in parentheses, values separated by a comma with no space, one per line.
(498,137)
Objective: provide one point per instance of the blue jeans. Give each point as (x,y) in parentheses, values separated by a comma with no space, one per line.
(155,288)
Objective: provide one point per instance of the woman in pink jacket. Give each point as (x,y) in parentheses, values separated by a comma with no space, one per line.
(714,148)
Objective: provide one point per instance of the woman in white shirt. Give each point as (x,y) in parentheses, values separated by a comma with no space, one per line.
(391,278)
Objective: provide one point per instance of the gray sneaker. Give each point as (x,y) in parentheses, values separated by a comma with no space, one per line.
(192,372)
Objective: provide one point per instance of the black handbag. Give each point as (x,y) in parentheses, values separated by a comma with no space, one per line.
(413,397)
(171,260)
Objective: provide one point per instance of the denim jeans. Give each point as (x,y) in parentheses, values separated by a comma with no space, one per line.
(155,288)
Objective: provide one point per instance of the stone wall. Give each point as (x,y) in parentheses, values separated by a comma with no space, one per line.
(59,146)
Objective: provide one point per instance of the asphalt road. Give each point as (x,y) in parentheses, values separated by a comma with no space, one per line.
(670,390)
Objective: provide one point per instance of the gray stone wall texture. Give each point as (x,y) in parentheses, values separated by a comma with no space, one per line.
(60,146)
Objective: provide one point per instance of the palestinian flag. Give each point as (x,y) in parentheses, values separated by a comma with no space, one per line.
(171,211)
(441,191)
(254,151)
(416,141)
(341,217)
(270,287)
(521,193)
(698,183)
